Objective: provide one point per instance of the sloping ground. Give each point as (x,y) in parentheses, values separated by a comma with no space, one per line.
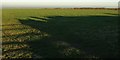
(60,36)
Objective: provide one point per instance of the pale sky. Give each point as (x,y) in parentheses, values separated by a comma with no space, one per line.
(59,3)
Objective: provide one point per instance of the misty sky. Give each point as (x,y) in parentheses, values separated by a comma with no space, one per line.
(59,3)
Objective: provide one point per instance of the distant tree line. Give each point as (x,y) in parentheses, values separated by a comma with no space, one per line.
(99,8)
(86,8)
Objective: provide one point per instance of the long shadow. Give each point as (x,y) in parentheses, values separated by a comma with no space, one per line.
(74,36)
(111,14)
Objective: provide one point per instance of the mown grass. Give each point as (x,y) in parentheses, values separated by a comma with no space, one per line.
(60,33)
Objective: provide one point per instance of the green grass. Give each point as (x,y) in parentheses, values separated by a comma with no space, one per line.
(59,33)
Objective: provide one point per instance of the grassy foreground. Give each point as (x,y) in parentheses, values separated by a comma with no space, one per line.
(59,33)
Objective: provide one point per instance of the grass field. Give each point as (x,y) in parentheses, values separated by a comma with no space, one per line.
(59,33)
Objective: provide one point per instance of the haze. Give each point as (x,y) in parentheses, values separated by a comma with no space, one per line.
(59,3)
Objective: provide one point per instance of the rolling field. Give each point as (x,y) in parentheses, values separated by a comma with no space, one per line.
(59,33)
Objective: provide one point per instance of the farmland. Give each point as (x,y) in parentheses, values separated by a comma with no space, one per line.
(59,33)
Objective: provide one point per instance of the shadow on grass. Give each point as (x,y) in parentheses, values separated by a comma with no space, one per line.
(111,14)
(74,36)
